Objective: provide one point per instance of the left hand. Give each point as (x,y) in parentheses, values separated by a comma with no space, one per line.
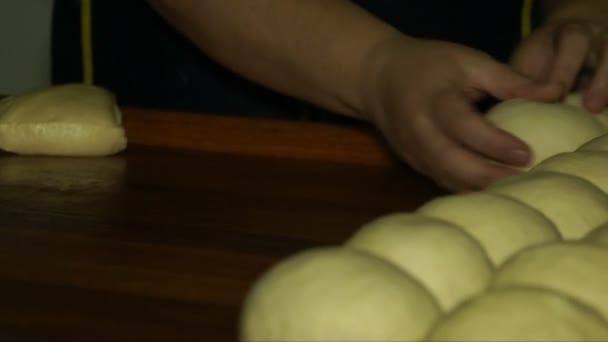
(573,52)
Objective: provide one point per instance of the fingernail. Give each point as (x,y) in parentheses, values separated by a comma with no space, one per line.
(519,157)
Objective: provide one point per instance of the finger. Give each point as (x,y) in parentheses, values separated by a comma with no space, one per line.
(451,164)
(464,171)
(533,58)
(459,119)
(573,45)
(596,97)
(504,83)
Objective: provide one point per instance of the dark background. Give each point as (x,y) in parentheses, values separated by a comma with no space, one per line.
(148,64)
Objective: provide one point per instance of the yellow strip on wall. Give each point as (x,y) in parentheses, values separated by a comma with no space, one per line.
(86,31)
(526,18)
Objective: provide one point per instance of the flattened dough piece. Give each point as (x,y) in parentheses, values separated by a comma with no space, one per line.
(68,120)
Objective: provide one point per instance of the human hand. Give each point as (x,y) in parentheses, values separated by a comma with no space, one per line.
(422,95)
(573,52)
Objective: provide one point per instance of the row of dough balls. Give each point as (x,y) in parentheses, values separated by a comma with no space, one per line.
(524,260)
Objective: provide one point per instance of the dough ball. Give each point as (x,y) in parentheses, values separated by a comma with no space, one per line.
(68,120)
(522,314)
(589,165)
(548,128)
(576,100)
(336,294)
(442,256)
(575,269)
(599,236)
(501,224)
(598,144)
(573,204)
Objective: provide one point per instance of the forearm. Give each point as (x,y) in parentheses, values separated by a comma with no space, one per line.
(316,50)
(556,10)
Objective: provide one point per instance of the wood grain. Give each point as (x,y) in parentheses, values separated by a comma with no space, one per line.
(258,137)
(162,242)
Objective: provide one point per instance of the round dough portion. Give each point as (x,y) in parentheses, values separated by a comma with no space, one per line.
(336,294)
(68,120)
(575,269)
(442,256)
(573,204)
(522,314)
(589,165)
(599,236)
(502,225)
(548,128)
(598,144)
(576,100)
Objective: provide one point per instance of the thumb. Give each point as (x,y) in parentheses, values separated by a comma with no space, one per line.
(504,83)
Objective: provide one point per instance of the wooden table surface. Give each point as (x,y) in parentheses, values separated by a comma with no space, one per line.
(162,242)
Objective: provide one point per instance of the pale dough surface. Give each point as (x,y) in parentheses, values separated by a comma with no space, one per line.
(598,144)
(522,314)
(502,225)
(589,165)
(576,100)
(575,205)
(599,236)
(336,294)
(68,120)
(446,259)
(547,128)
(575,269)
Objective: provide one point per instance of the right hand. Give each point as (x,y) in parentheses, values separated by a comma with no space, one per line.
(421,94)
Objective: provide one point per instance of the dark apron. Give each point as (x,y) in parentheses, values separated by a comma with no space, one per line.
(148,64)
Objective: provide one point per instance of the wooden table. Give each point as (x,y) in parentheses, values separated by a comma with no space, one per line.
(163,241)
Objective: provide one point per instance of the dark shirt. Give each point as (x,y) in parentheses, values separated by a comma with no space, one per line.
(146,63)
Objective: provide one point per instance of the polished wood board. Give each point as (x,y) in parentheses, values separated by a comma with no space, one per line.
(163,241)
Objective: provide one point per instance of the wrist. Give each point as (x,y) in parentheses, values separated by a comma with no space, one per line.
(376,73)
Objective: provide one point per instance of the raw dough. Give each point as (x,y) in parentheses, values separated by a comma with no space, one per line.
(576,100)
(575,269)
(599,236)
(522,314)
(575,205)
(68,120)
(598,144)
(501,224)
(441,255)
(336,294)
(589,165)
(548,128)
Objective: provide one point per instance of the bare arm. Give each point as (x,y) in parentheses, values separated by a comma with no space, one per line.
(316,50)
(419,93)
